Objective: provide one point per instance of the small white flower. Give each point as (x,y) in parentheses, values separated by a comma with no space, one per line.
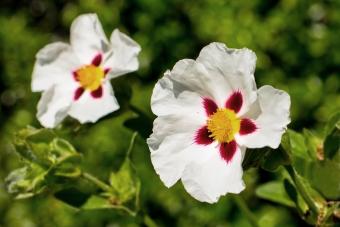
(208,112)
(75,78)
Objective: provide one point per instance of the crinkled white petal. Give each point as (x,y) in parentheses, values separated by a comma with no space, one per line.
(210,180)
(192,76)
(54,105)
(169,97)
(54,65)
(176,151)
(89,109)
(271,122)
(168,125)
(88,38)
(232,70)
(123,55)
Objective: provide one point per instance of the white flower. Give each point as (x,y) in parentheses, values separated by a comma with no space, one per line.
(75,78)
(208,112)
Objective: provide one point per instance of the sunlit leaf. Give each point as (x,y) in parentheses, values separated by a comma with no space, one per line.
(26,181)
(125,182)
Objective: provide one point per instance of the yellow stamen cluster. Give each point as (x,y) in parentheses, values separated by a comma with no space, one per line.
(90,77)
(223,125)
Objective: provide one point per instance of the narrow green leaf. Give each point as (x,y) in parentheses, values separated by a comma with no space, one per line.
(291,191)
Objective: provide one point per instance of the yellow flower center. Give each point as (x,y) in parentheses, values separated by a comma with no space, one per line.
(223,125)
(90,77)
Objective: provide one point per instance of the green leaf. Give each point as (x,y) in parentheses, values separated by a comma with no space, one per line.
(334,122)
(300,204)
(332,145)
(48,160)
(253,157)
(324,176)
(26,181)
(313,144)
(274,191)
(294,143)
(125,182)
(34,144)
(274,159)
(100,202)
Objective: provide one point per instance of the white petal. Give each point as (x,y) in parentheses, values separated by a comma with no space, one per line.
(54,64)
(189,75)
(234,69)
(89,109)
(87,37)
(210,180)
(272,121)
(122,58)
(169,97)
(54,105)
(174,153)
(169,125)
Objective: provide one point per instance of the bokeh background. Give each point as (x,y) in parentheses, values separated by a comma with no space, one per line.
(298,50)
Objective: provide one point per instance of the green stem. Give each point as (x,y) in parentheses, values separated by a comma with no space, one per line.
(97,182)
(245,209)
(301,188)
(132,143)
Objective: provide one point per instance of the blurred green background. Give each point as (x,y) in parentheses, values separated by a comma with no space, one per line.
(298,50)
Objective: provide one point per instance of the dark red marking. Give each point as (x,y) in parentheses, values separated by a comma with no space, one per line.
(210,106)
(97,93)
(97,60)
(107,70)
(202,136)
(247,126)
(78,93)
(227,150)
(75,75)
(235,101)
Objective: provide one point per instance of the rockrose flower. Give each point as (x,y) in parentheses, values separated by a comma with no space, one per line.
(75,78)
(208,112)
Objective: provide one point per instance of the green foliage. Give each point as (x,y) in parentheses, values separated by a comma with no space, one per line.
(275,192)
(47,160)
(314,173)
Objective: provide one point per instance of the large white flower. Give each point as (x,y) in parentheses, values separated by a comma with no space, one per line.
(208,112)
(75,78)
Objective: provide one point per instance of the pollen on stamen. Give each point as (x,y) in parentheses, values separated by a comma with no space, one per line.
(223,125)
